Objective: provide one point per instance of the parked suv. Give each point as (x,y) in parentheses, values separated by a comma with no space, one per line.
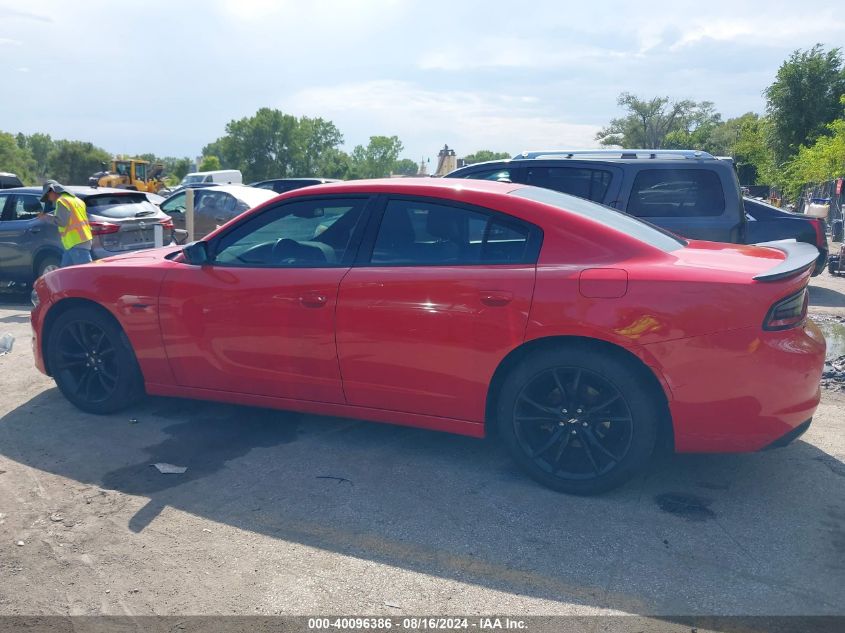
(688,192)
(121,220)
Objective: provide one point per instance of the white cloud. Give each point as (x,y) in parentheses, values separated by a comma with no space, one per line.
(10,41)
(513,52)
(424,118)
(23,69)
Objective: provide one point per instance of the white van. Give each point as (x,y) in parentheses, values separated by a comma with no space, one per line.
(220,176)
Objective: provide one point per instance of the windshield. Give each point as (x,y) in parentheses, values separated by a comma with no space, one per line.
(643,231)
(192,178)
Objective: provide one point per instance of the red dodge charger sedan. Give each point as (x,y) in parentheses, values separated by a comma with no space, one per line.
(581,335)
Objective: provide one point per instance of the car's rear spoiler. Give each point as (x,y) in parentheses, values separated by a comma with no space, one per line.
(799,257)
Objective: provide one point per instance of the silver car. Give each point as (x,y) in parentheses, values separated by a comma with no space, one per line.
(121,220)
(214,206)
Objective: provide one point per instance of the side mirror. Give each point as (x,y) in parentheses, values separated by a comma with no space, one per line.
(196,253)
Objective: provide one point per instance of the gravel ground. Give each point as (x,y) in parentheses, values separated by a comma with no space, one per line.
(289,514)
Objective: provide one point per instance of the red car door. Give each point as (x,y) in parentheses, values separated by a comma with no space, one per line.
(444,296)
(260,317)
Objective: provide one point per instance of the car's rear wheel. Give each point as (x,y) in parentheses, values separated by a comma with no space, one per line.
(577,419)
(92,361)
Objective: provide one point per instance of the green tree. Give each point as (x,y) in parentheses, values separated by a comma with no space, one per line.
(72,162)
(38,145)
(16,159)
(209,163)
(803,99)
(377,159)
(821,161)
(178,167)
(483,155)
(406,167)
(333,163)
(649,122)
(272,144)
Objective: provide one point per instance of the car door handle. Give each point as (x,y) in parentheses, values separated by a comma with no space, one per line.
(496,298)
(34,229)
(313,299)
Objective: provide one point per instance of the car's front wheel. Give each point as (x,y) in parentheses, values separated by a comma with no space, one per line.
(92,361)
(578,419)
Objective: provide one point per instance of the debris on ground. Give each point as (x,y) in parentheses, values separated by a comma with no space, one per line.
(339,480)
(20,543)
(169,469)
(833,374)
(7,341)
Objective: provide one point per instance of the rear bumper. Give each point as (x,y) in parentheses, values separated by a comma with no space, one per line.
(791,436)
(741,390)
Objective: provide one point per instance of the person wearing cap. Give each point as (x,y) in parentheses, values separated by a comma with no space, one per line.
(71,218)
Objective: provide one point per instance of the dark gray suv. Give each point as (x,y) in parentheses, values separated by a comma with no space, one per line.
(689,193)
(121,220)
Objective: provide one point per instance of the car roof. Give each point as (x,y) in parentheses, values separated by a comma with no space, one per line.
(303,179)
(409,186)
(80,191)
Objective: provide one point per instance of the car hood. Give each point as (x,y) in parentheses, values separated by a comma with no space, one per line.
(146,257)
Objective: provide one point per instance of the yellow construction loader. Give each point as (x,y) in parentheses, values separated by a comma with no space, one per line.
(130,174)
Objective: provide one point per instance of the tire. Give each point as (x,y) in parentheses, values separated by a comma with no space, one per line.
(46,264)
(608,437)
(92,361)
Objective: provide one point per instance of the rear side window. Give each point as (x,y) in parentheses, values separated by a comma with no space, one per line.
(646,233)
(423,233)
(591,184)
(676,193)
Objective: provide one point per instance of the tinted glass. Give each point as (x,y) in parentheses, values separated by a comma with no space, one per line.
(422,233)
(591,184)
(610,217)
(310,234)
(5,215)
(676,193)
(490,174)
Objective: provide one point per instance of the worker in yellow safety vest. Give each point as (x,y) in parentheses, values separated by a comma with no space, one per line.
(71,218)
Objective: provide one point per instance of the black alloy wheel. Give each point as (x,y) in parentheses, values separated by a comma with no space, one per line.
(579,419)
(573,423)
(92,362)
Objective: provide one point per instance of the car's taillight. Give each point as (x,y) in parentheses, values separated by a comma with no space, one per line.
(787,312)
(104,228)
(167,224)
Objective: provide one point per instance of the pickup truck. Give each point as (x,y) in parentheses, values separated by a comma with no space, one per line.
(688,192)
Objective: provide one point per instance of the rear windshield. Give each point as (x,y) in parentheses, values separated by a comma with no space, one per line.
(647,233)
(128,205)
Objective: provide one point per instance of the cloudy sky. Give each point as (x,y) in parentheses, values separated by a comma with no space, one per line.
(166,77)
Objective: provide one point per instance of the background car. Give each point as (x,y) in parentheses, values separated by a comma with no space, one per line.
(584,336)
(767,222)
(213,206)
(121,220)
(9,181)
(688,192)
(280,185)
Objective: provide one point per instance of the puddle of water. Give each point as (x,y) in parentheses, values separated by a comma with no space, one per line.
(834,332)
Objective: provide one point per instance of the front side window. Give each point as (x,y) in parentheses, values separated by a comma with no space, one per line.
(676,193)
(309,233)
(423,233)
(176,204)
(591,184)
